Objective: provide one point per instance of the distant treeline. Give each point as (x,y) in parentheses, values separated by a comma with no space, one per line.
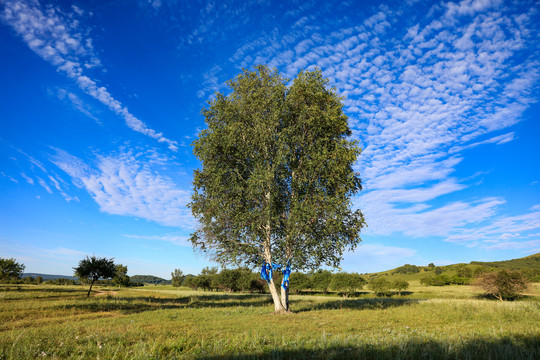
(149,279)
(322,281)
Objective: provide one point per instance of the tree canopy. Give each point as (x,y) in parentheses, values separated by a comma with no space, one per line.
(276,176)
(94,268)
(10,268)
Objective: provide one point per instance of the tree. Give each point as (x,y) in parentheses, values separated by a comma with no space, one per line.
(10,268)
(503,284)
(94,268)
(400,285)
(276,177)
(380,286)
(406,269)
(121,277)
(299,282)
(177,277)
(321,280)
(347,283)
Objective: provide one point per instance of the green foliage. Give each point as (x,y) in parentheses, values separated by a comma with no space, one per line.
(10,268)
(406,269)
(94,268)
(528,262)
(503,284)
(464,271)
(347,283)
(321,279)
(276,176)
(177,277)
(400,285)
(121,277)
(300,281)
(229,280)
(438,270)
(149,279)
(380,286)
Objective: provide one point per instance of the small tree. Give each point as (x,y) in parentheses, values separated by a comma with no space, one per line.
(177,277)
(503,284)
(39,280)
(347,283)
(321,279)
(93,269)
(120,276)
(10,268)
(299,282)
(380,286)
(400,285)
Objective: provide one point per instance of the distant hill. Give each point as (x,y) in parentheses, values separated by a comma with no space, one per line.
(530,265)
(528,262)
(149,279)
(49,276)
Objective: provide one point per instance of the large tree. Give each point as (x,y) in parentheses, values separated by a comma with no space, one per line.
(94,268)
(276,178)
(10,268)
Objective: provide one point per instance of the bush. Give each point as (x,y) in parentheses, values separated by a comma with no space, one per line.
(439,280)
(400,285)
(380,286)
(406,269)
(10,269)
(503,284)
(321,280)
(347,283)
(299,281)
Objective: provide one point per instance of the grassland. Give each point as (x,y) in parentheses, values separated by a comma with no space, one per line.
(161,322)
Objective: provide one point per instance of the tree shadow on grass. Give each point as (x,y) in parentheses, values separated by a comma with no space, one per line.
(360,304)
(149,303)
(31,288)
(515,348)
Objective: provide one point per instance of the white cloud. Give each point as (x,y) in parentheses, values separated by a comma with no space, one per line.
(418,94)
(57,38)
(127,184)
(179,240)
(377,257)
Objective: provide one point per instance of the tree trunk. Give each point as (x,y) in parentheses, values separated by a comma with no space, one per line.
(92,283)
(285,298)
(278,307)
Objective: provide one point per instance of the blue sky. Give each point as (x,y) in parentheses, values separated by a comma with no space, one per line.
(100,102)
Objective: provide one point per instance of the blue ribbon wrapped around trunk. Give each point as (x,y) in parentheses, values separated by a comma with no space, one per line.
(267,270)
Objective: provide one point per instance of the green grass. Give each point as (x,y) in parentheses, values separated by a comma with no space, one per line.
(163,322)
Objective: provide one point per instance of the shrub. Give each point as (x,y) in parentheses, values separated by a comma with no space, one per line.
(503,284)
(400,285)
(299,281)
(321,280)
(406,269)
(380,286)
(347,283)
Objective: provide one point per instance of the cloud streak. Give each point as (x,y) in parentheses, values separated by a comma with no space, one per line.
(58,39)
(126,184)
(417,97)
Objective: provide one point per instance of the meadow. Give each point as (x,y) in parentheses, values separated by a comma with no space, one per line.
(162,322)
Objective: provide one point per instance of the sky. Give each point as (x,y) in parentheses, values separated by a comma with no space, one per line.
(101,100)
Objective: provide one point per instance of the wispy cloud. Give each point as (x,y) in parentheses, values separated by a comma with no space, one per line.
(128,184)
(418,96)
(174,239)
(58,38)
(377,257)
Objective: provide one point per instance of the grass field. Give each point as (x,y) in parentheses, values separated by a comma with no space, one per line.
(161,322)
